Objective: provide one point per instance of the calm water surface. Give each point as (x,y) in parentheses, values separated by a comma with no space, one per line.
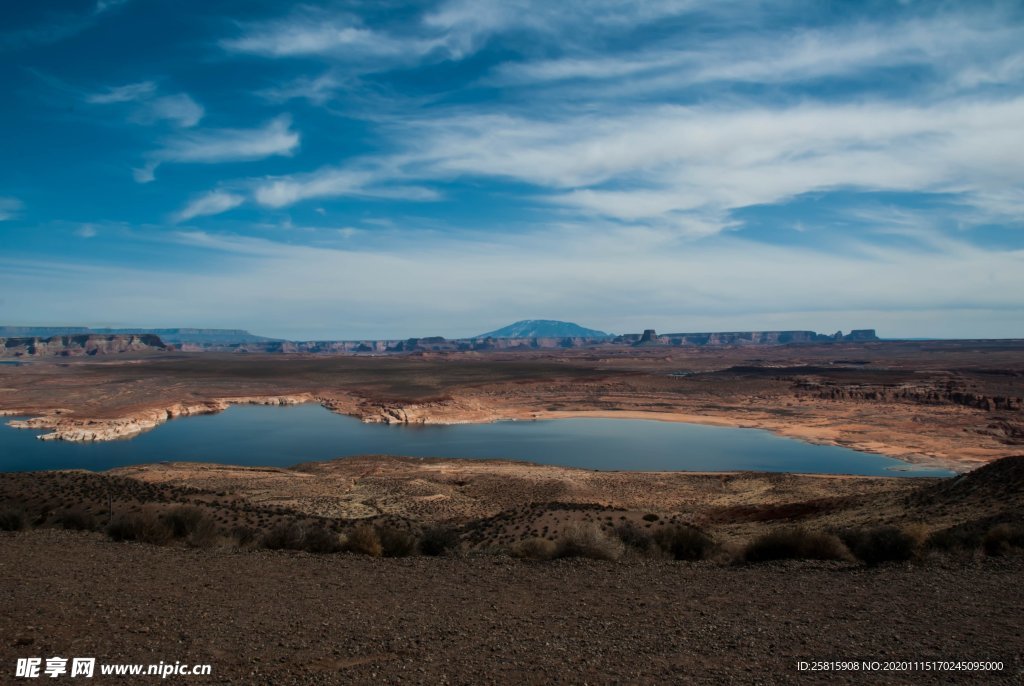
(284,436)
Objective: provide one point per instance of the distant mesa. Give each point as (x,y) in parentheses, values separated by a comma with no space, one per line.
(544,328)
(81,344)
(530,334)
(200,337)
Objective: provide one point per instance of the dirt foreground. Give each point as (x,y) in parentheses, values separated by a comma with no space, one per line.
(262,617)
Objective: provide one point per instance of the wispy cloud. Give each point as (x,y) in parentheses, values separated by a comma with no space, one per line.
(149,107)
(9,208)
(214,202)
(331,183)
(131,92)
(944,43)
(317,90)
(212,146)
(313,32)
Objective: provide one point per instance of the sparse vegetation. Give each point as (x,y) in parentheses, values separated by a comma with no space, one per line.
(587,540)
(144,527)
(682,542)
(796,544)
(12,519)
(76,519)
(396,542)
(320,539)
(285,536)
(438,540)
(882,544)
(1004,539)
(534,548)
(364,540)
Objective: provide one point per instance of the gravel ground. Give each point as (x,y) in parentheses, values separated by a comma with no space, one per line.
(290,618)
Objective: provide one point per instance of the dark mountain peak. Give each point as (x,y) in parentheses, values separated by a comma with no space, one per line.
(544,328)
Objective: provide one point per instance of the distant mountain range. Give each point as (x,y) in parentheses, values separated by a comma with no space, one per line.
(544,328)
(175,336)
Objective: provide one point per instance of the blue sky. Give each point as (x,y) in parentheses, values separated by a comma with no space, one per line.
(391,169)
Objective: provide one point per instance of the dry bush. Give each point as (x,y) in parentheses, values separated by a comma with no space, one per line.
(1004,539)
(284,536)
(396,542)
(682,542)
(882,544)
(76,519)
(320,539)
(12,519)
(796,544)
(144,527)
(245,535)
(364,540)
(534,549)
(587,540)
(184,519)
(438,540)
(636,538)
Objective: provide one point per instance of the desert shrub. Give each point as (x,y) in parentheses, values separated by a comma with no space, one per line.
(205,534)
(882,544)
(1003,539)
(364,540)
(184,519)
(587,540)
(651,517)
(438,540)
(635,538)
(144,527)
(12,519)
(396,542)
(684,542)
(76,519)
(284,536)
(320,539)
(244,535)
(534,549)
(795,544)
(954,539)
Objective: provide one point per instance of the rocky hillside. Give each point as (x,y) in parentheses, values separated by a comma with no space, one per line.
(73,346)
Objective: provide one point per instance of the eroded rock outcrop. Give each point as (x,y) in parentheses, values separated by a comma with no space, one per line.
(73,346)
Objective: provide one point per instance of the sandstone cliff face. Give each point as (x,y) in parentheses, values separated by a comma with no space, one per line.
(946,394)
(73,346)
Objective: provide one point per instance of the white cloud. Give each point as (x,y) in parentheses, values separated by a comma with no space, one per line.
(646,163)
(180,109)
(317,33)
(211,146)
(149,108)
(214,202)
(131,92)
(9,208)
(317,90)
(87,231)
(329,182)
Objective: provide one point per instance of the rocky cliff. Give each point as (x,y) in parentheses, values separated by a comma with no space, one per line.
(73,346)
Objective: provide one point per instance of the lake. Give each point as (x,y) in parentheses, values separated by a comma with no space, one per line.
(284,436)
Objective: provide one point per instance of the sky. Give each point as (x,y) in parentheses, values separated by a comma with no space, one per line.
(387,169)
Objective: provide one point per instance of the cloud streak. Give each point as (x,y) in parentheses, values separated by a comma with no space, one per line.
(214,202)
(214,146)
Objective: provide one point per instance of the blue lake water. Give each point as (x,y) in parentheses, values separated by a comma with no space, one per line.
(284,436)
